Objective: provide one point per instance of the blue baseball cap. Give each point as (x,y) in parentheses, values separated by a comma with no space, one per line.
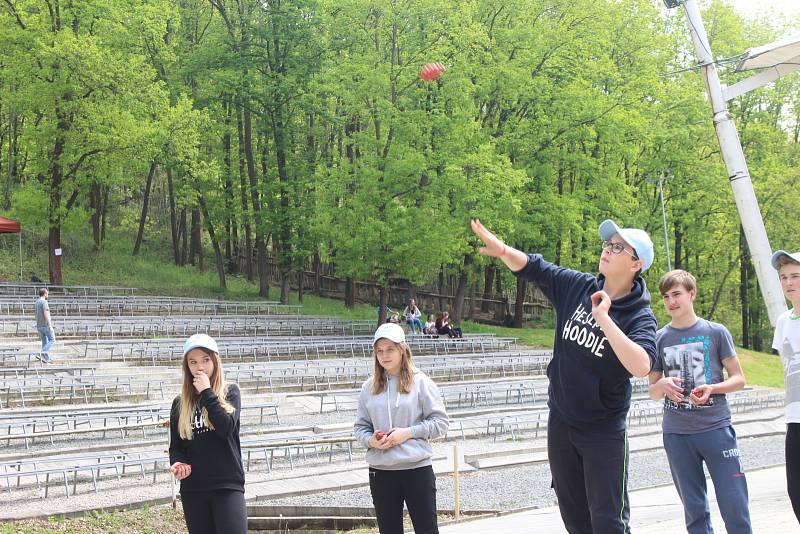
(638,239)
(782,253)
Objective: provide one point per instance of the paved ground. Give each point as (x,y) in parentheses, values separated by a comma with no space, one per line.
(657,511)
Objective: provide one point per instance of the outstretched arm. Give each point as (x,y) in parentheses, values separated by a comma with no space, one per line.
(514,259)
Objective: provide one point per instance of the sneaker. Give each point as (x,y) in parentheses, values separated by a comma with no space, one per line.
(47,359)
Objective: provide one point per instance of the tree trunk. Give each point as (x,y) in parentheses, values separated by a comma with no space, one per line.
(285,288)
(382,304)
(285,230)
(473,300)
(243,189)
(96,204)
(56,173)
(678,264)
(261,246)
(458,304)
(184,241)
(488,281)
(718,291)
(103,212)
(214,242)
(173,221)
(350,293)
(519,303)
(12,165)
(145,204)
(196,241)
(54,264)
(300,281)
(559,246)
(440,288)
(317,275)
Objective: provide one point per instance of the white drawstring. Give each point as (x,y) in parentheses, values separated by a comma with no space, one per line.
(388,401)
(388,404)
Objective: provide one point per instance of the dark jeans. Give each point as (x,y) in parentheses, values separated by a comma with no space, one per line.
(450,331)
(215,512)
(793,466)
(590,477)
(417,487)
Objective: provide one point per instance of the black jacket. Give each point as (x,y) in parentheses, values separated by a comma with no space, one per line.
(215,455)
(589,386)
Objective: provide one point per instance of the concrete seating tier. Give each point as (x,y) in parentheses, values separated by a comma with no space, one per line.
(154,326)
(23,288)
(168,351)
(71,306)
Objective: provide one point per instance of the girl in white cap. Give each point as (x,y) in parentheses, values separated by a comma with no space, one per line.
(204,452)
(399,411)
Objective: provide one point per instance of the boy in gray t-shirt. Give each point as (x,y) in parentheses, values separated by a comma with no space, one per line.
(687,374)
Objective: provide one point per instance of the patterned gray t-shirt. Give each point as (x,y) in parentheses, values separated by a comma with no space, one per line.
(694,354)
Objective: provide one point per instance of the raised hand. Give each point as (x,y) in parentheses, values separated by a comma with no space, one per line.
(601,304)
(201,381)
(493,246)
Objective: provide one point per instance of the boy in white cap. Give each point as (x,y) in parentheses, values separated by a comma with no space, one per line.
(605,333)
(787,343)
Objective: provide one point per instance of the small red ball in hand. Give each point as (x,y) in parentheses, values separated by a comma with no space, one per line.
(379,435)
(431,72)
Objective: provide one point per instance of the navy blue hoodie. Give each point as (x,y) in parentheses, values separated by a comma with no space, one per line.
(589,387)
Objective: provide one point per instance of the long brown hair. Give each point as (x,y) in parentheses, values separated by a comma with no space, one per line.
(189,395)
(406,370)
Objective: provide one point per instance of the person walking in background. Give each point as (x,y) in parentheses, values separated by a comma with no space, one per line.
(400,410)
(44,325)
(205,453)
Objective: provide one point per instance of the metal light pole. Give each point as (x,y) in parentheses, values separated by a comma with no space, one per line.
(664,218)
(738,174)
(660,181)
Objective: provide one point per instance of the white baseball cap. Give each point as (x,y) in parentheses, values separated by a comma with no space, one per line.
(638,239)
(782,253)
(200,341)
(391,331)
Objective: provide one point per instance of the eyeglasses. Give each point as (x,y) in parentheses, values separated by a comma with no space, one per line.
(618,248)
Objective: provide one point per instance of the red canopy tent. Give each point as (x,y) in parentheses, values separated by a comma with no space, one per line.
(7,226)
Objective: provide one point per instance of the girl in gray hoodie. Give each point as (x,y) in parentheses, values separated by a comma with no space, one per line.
(399,411)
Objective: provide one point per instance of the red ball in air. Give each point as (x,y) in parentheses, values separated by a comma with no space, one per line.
(431,72)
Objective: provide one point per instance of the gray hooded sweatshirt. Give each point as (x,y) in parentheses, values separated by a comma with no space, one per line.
(421,408)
